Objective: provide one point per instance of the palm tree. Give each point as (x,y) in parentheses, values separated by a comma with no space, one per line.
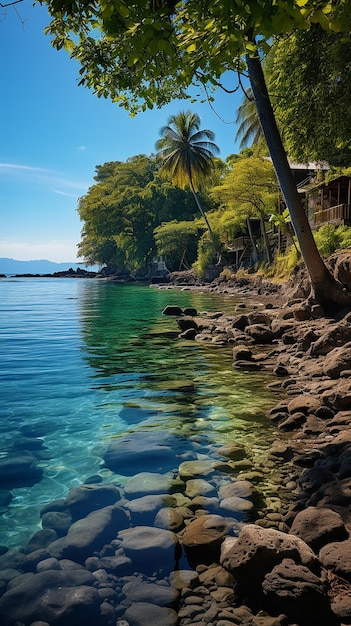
(187,154)
(249,129)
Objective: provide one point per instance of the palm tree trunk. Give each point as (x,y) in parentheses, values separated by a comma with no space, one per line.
(265,239)
(253,242)
(325,288)
(202,212)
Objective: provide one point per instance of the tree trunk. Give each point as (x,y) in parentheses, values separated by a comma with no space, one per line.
(265,238)
(253,242)
(213,241)
(325,289)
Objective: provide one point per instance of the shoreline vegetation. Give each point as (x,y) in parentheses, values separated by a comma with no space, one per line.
(289,566)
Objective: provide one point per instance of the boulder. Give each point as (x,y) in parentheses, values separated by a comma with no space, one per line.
(318,526)
(150,547)
(202,538)
(138,591)
(258,550)
(92,532)
(138,451)
(260,333)
(19,470)
(146,483)
(334,337)
(56,597)
(293,589)
(83,499)
(171,309)
(304,404)
(336,557)
(337,361)
(144,614)
(143,510)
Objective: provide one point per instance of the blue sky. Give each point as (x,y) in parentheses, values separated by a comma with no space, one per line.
(54,133)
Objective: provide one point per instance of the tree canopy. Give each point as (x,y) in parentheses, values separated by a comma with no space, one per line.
(309,81)
(148,52)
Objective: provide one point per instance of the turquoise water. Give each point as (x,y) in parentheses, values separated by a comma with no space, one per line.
(83,361)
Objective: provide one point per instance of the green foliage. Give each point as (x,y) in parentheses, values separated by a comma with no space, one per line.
(329,239)
(121,211)
(185,151)
(205,256)
(177,241)
(146,53)
(285,264)
(309,80)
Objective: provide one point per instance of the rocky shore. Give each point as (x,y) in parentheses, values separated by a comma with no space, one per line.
(204,544)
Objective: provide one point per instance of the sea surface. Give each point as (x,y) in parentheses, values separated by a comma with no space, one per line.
(84,361)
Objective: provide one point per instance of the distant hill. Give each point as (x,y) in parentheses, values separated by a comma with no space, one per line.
(12,266)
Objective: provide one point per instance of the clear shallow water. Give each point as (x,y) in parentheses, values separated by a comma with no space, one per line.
(83,361)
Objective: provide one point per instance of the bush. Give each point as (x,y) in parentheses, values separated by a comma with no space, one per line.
(329,239)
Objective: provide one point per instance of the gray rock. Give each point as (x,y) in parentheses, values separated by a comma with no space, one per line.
(260,333)
(239,488)
(182,579)
(199,487)
(318,526)
(92,532)
(143,510)
(293,589)
(171,518)
(152,593)
(136,452)
(149,547)
(336,557)
(51,596)
(240,508)
(146,483)
(19,470)
(145,614)
(57,521)
(337,361)
(83,499)
(258,550)
(196,469)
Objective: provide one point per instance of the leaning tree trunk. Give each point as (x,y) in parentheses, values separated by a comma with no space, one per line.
(202,212)
(325,289)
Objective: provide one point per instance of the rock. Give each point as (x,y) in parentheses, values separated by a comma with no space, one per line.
(51,596)
(150,547)
(202,538)
(137,451)
(260,333)
(237,507)
(196,469)
(336,557)
(84,499)
(171,309)
(146,483)
(318,526)
(233,451)
(239,488)
(341,607)
(240,322)
(143,510)
(152,593)
(184,578)
(187,323)
(258,317)
(92,532)
(242,353)
(293,589)
(258,550)
(59,522)
(171,518)
(198,487)
(337,361)
(304,404)
(30,562)
(145,614)
(41,539)
(19,470)
(334,337)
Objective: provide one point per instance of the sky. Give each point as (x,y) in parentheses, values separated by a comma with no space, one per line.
(54,133)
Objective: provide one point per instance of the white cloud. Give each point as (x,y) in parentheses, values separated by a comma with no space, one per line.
(42,176)
(82,148)
(58,250)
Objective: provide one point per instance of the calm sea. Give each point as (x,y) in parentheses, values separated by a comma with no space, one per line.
(83,361)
